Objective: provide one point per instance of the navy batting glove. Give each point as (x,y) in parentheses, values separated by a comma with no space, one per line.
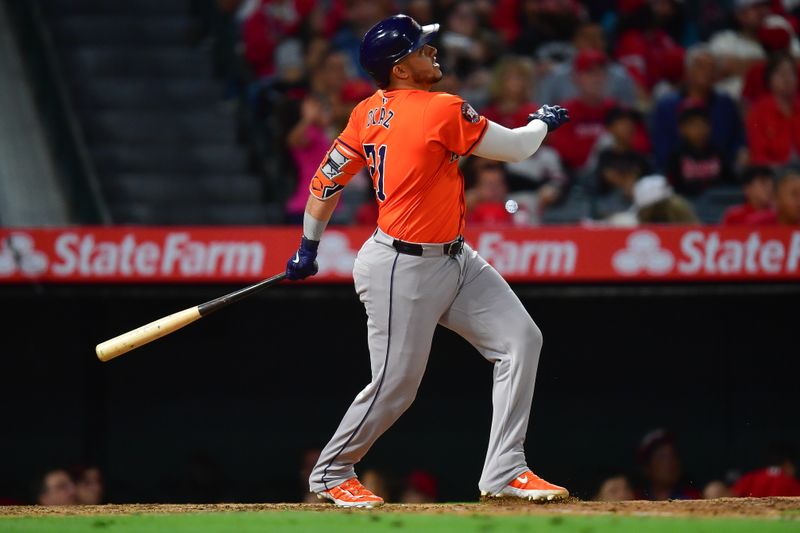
(304,263)
(554,116)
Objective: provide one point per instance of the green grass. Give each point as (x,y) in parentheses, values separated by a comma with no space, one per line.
(366,522)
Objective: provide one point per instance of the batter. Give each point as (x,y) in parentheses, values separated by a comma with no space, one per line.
(416,271)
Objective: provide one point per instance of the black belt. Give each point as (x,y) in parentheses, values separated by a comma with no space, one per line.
(452,248)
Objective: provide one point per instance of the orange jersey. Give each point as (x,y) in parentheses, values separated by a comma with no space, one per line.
(410,141)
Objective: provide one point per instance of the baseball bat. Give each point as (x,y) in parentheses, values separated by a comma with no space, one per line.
(164,326)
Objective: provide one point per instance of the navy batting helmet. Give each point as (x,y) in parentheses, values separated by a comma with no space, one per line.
(389,41)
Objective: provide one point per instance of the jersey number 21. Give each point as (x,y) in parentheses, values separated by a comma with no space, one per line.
(376,160)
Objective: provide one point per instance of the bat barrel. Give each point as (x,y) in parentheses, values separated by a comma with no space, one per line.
(149,332)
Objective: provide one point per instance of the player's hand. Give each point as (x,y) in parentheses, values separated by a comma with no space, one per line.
(304,263)
(554,116)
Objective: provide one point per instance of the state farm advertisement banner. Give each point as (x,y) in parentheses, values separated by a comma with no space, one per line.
(541,255)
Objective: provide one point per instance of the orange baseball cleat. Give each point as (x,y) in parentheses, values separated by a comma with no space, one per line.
(351,493)
(529,486)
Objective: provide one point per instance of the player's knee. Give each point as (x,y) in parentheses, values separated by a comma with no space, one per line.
(531,341)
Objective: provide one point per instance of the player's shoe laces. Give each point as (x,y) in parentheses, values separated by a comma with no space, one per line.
(351,493)
(529,486)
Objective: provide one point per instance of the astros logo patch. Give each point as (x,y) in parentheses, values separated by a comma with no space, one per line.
(469,114)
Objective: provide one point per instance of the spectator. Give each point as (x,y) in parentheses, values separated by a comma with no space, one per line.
(773,122)
(359,16)
(661,467)
(308,143)
(778,479)
(787,200)
(510,92)
(529,24)
(615,489)
(558,85)
(537,183)
(307,462)
(647,51)
(618,175)
(727,131)
(487,200)
(759,193)
(716,489)
(696,164)
(375,481)
(88,485)
(588,110)
(657,203)
(737,49)
(421,487)
(776,37)
(57,488)
(618,141)
(266,24)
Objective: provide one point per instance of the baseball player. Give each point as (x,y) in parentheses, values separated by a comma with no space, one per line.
(416,271)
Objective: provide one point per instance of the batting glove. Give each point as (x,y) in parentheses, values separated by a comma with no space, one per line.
(304,263)
(553,115)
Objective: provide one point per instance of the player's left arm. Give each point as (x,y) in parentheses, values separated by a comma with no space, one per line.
(341,163)
(514,145)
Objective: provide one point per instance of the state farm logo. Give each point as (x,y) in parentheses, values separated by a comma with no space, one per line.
(643,254)
(18,254)
(335,256)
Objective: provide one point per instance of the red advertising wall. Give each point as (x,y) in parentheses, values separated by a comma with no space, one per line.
(550,254)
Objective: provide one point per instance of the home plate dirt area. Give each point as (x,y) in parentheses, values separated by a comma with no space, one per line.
(767,508)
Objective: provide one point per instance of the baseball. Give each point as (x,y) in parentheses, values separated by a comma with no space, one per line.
(512,206)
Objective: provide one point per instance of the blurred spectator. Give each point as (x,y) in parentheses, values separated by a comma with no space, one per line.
(648,52)
(375,481)
(778,479)
(558,85)
(266,24)
(537,183)
(529,24)
(588,110)
(510,92)
(773,122)
(618,141)
(776,37)
(787,199)
(88,485)
(307,462)
(615,489)
(358,17)
(657,203)
(308,143)
(487,201)
(617,177)
(696,164)
(421,487)
(738,49)
(759,192)
(661,467)
(727,131)
(716,489)
(57,488)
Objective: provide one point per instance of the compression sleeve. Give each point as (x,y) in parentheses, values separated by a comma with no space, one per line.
(502,144)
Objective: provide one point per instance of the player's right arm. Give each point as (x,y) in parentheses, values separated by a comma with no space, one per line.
(514,145)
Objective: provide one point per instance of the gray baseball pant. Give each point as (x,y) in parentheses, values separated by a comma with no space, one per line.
(405,297)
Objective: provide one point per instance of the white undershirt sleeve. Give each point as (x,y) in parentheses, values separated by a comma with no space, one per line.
(502,144)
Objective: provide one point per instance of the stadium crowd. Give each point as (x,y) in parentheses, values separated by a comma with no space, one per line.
(655,473)
(701,98)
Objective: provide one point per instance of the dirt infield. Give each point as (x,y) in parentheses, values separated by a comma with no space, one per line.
(786,508)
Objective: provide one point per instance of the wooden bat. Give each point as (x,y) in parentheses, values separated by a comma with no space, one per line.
(164,326)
